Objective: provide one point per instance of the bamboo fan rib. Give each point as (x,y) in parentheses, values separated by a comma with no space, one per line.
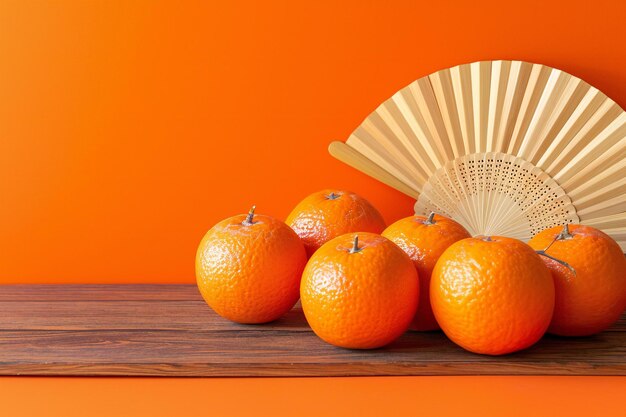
(504,147)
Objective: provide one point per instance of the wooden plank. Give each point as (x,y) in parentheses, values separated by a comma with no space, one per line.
(280,353)
(118,333)
(140,315)
(128,315)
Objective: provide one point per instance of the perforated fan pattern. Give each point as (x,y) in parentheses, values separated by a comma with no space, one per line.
(496,194)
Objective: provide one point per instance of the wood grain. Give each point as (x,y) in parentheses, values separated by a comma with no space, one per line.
(167,330)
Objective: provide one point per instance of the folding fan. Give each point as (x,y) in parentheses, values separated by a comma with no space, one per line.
(504,147)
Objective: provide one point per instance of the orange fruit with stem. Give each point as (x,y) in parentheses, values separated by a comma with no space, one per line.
(424,239)
(359,291)
(327,214)
(589,271)
(248,268)
(492,295)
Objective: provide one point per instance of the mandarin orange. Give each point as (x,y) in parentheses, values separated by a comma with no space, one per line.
(492,295)
(359,291)
(589,271)
(327,214)
(248,268)
(424,239)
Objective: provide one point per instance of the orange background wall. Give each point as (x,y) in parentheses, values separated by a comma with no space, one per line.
(128,128)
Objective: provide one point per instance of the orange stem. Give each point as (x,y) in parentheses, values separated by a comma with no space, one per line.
(248,221)
(355,245)
(430,220)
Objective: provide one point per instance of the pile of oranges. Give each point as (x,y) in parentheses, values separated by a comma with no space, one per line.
(362,284)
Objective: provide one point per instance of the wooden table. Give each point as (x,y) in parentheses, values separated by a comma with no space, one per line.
(168,330)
